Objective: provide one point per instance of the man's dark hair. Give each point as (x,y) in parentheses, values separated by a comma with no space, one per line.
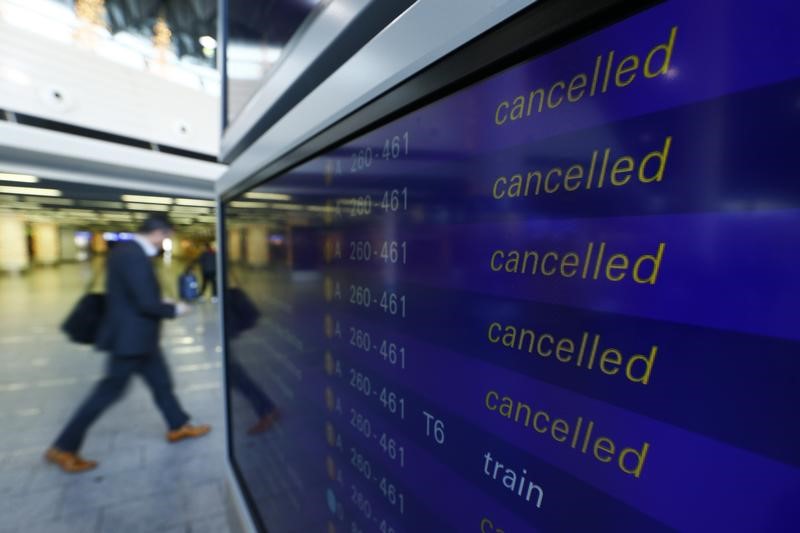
(153,223)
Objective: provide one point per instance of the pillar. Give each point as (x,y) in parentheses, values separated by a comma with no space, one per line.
(46,243)
(234,244)
(13,244)
(289,242)
(257,245)
(67,245)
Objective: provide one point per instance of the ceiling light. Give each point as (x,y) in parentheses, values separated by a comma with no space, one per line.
(195,202)
(207,41)
(249,205)
(33,191)
(102,203)
(272,53)
(267,196)
(147,199)
(188,209)
(52,201)
(78,212)
(21,178)
(147,207)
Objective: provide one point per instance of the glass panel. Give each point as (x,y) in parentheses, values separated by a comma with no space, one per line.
(258,34)
(560,299)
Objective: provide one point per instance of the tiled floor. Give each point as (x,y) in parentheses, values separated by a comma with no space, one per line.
(143,484)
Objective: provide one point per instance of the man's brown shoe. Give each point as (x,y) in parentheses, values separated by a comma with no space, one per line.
(187,431)
(68,461)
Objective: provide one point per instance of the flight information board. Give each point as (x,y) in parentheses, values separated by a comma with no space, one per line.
(561,299)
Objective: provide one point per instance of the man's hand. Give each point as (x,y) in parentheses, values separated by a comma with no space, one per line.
(182,309)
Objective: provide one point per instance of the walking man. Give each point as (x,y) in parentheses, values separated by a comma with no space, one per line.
(130,334)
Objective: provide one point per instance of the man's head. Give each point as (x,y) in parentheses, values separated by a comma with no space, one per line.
(155,228)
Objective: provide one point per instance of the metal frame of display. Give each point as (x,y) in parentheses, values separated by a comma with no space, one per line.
(322,43)
(536,30)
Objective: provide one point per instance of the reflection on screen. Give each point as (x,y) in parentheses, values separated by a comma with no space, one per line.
(560,299)
(258,34)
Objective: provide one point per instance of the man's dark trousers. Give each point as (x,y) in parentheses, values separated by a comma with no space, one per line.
(209,278)
(152,368)
(261,403)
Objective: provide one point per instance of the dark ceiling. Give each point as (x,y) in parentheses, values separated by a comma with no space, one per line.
(187,19)
(271,22)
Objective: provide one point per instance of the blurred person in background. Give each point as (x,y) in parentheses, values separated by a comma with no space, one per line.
(208,268)
(130,332)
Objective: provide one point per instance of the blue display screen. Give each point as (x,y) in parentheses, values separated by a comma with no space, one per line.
(560,299)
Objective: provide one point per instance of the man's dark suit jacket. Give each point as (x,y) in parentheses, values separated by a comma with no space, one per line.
(134,309)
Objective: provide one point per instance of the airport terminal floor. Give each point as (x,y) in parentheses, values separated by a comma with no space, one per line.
(143,483)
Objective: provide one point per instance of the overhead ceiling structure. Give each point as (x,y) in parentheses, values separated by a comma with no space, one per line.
(77,159)
(90,93)
(258,35)
(271,22)
(188,20)
(98,208)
